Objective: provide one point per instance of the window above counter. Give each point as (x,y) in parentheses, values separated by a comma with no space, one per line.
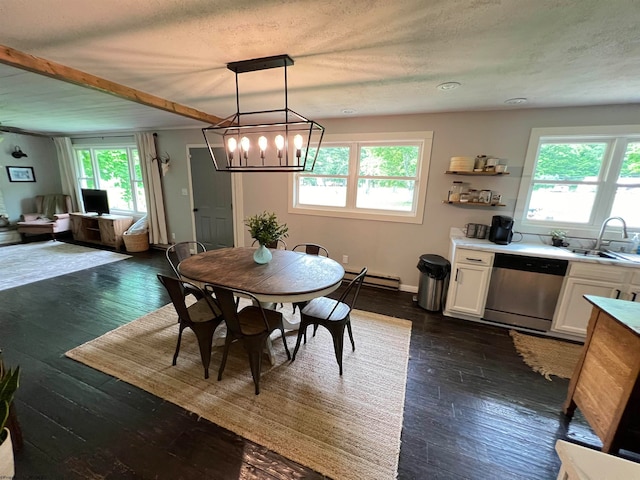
(575,178)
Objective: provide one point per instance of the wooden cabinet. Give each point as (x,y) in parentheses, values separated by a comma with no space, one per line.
(100,229)
(469,282)
(605,385)
(572,313)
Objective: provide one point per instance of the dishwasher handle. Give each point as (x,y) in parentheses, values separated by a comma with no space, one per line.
(550,266)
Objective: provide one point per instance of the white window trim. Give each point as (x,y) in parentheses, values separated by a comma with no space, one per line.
(424,138)
(109,145)
(604,133)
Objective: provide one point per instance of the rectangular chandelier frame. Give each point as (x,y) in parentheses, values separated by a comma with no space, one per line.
(288,142)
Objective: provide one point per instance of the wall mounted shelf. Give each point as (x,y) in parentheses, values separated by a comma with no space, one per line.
(479,174)
(475,204)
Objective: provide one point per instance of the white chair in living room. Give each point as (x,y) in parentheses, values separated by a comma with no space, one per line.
(51,216)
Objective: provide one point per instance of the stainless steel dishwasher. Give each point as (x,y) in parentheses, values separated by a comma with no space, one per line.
(523,291)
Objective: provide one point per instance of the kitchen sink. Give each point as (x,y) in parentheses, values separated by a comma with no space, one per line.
(627,257)
(594,253)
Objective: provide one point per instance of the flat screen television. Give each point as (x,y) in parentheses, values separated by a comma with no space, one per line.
(95,201)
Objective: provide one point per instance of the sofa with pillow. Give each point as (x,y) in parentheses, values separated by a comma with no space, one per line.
(51,216)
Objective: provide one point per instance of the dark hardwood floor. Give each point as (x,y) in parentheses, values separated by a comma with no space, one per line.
(473,409)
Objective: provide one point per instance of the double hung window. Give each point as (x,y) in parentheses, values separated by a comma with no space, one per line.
(379,177)
(575,178)
(115,169)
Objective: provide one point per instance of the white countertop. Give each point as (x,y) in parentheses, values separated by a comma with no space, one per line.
(540,250)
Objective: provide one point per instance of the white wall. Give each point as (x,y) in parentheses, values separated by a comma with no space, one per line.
(394,248)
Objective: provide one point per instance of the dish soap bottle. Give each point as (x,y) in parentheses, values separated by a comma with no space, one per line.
(635,243)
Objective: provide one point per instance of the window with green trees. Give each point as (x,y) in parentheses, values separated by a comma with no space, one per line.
(366,178)
(116,170)
(579,177)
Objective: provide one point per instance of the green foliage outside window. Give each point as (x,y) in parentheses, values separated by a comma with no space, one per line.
(569,161)
(113,170)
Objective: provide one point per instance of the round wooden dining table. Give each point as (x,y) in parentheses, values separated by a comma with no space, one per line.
(289,276)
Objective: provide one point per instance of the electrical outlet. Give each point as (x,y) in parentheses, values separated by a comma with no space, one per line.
(345,259)
(173,236)
(185,192)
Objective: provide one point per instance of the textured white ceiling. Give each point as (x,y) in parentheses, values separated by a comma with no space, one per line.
(373,57)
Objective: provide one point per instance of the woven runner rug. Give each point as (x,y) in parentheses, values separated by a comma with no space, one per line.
(343,427)
(547,356)
(32,262)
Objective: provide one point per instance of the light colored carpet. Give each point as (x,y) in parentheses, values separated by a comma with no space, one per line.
(343,427)
(547,356)
(32,262)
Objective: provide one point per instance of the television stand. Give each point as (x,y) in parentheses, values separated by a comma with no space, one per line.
(100,229)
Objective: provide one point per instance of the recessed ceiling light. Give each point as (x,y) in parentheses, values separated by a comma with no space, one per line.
(448,86)
(516,101)
(348,111)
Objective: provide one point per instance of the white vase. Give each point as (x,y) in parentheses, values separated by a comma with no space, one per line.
(262,255)
(7,469)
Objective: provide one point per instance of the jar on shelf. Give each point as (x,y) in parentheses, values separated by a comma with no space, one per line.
(464,197)
(485,196)
(474,195)
(455,190)
(480,163)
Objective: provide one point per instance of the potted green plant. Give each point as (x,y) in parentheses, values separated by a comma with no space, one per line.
(266,230)
(558,238)
(9,380)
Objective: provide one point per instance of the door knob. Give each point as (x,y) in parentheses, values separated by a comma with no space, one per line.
(195,209)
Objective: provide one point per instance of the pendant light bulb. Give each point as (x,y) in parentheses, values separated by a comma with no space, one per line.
(262,143)
(279,144)
(232,144)
(245,144)
(297,142)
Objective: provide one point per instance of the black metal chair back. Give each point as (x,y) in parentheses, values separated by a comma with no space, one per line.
(182,250)
(311,249)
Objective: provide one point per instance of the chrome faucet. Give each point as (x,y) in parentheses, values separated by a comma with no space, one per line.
(604,225)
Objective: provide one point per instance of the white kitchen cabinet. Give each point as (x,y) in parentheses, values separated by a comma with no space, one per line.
(632,292)
(573,311)
(469,283)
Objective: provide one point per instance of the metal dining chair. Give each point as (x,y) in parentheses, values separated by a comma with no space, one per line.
(277,245)
(203,317)
(309,249)
(332,314)
(251,326)
(180,251)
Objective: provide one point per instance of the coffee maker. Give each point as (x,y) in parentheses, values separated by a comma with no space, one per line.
(501,230)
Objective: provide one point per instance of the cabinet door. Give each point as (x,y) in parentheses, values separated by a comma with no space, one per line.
(467,293)
(107,232)
(574,311)
(633,292)
(76,228)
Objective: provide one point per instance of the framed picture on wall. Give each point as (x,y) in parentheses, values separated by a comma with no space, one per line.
(21,174)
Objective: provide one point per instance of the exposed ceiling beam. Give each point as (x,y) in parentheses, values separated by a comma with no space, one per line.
(18,59)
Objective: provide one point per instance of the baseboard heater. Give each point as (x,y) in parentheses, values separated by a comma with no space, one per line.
(375,279)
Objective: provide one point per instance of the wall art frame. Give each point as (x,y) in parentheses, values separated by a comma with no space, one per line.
(21,174)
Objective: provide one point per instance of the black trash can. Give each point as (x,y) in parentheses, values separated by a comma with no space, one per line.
(434,279)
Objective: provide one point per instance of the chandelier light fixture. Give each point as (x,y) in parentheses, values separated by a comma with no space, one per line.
(278,140)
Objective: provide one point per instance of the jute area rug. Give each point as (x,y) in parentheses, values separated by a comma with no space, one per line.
(547,356)
(343,427)
(32,262)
